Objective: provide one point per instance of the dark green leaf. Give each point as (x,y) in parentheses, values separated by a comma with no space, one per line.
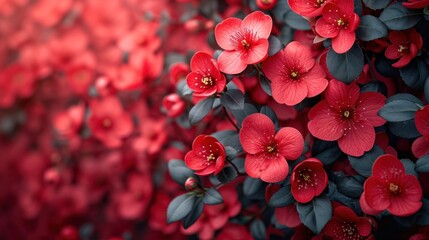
(200,110)
(194,214)
(345,67)
(316,213)
(275,45)
(282,198)
(363,165)
(227,174)
(398,111)
(212,196)
(422,164)
(241,114)
(179,171)
(180,207)
(296,21)
(271,114)
(427,89)
(405,129)
(371,28)
(252,186)
(398,17)
(415,73)
(233,99)
(376,4)
(409,166)
(257,229)
(265,84)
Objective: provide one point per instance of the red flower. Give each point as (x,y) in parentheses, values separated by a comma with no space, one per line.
(308,180)
(288,216)
(108,122)
(308,8)
(345,224)
(416,4)
(234,231)
(266,150)
(205,78)
(389,188)
(339,22)
(420,146)
(207,156)
(348,117)
(266,4)
(294,74)
(405,46)
(174,105)
(244,41)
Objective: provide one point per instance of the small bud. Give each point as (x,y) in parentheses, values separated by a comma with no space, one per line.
(173,105)
(191,184)
(266,4)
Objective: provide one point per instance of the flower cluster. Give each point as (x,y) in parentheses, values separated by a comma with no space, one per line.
(262,119)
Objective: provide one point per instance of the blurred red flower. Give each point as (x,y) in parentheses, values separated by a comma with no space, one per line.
(345,224)
(308,8)
(308,180)
(404,46)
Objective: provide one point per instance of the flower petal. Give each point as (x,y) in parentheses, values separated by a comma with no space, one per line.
(376,194)
(343,41)
(276,170)
(230,62)
(257,52)
(323,124)
(339,94)
(289,92)
(259,23)
(224,32)
(256,130)
(357,140)
(290,143)
(368,105)
(315,80)
(299,56)
(254,164)
(388,168)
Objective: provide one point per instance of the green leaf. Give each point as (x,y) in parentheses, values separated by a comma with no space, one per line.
(180,207)
(316,213)
(398,17)
(200,110)
(371,28)
(212,197)
(345,67)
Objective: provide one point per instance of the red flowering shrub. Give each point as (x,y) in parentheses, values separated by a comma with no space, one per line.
(232,119)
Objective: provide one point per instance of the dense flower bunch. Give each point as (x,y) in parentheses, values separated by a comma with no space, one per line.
(232,119)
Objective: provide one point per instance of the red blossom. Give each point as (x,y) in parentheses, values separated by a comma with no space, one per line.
(266,150)
(234,231)
(266,4)
(308,180)
(294,74)
(205,78)
(404,46)
(339,22)
(288,216)
(108,122)
(308,8)
(416,4)
(390,188)
(174,105)
(348,117)
(243,41)
(420,146)
(345,224)
(207,156)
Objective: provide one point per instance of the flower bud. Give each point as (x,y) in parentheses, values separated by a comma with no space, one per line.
(174,105)
(266,4)
(191,184)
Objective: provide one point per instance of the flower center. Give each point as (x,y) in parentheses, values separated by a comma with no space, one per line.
(393,188)
(245,44)
(207,81)
(319,3)
(211,158)
(349,228)
(107,122)
(346,114)
(294,74)
(402,48)
(271,148)
(306,177)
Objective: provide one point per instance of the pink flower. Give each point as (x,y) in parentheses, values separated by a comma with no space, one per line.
(339,22)
(205,78)
(266,150)
(348,117)
(308,180)
(390,188)
(244,41)
(207,156)
(294,74)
